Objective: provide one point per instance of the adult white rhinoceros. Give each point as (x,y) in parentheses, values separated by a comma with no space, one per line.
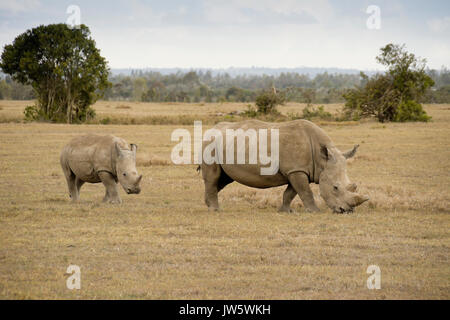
(107,159)
(306,155)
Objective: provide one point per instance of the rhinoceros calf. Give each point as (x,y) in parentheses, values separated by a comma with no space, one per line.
(306,155)
(106,159)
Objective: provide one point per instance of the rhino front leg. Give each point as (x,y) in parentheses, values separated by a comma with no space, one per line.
(78,184)
(73,191)
(211,175)
(288,195)
(300,183)
(112,192)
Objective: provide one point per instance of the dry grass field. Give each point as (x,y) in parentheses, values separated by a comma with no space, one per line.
(165,244)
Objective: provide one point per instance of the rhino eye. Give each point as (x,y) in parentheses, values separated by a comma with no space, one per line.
(335,188)
(124,174)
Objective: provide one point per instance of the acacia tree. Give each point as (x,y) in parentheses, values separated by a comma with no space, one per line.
(395,95)
(63,66)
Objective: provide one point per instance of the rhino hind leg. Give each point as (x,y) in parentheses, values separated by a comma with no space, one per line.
(71,182)
(112,191)
(300,183)
(288,195)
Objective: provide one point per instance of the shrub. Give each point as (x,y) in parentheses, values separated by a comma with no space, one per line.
(251,112)
(310,112)
(106,120)
(267,101)
(411,111)
(31,113)
(392,96)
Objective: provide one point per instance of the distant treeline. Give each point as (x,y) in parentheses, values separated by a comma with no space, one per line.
(203,86)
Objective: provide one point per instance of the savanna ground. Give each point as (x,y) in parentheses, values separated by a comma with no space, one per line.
(165,244)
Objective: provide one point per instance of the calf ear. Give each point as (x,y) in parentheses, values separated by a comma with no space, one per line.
(352,187)
(350,153)
(117,148)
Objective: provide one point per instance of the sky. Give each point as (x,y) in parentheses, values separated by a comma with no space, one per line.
(245,33)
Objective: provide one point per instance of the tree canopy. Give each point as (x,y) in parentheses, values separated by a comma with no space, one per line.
(63,66)
(395,95)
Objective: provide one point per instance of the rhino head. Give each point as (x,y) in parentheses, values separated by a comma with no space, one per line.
(335,187)
(126,169)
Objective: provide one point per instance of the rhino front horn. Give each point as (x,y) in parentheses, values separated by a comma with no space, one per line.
(358,200)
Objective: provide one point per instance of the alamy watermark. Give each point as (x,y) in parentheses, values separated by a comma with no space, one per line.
(374,20)
(374,281)
(74,18)
(221,150)
(74,280)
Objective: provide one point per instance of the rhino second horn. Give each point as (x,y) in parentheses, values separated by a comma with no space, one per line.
(352,187)
(350,153)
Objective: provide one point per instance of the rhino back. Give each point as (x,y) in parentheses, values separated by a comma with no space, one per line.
(299,144)
(89,154)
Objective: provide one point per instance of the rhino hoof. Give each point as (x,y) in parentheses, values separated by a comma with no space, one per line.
(312,210)
(112,201)
(287,210)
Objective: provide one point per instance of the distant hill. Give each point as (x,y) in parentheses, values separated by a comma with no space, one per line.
(312,72)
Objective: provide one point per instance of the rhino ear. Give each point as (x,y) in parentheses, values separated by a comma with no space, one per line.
(133,148)
(326,153)
(118,150)
(350,153)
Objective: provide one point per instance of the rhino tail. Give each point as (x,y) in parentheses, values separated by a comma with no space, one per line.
(199,168)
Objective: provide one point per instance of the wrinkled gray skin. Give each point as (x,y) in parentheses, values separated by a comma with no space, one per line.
(105,159)
(306,154)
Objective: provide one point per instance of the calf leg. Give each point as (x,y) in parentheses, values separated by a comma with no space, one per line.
(300,183)
(71,183)
(288,195)
(112,192)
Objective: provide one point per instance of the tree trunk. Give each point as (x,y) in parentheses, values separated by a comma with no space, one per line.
(69,106)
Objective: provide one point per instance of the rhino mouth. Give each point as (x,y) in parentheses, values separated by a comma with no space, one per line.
(133,191)
(341,210)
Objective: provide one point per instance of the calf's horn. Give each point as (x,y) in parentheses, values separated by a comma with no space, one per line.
(358,200)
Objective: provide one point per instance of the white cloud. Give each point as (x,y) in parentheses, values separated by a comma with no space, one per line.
(142,12)
(213,33)
(439,24)
(15,6)
(240,11)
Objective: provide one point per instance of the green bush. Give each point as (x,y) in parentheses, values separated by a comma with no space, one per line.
(310,112)
(394,95)
(85,114)
(106,120)
(251,112)
(267,101)
(31,113)
(411,111)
